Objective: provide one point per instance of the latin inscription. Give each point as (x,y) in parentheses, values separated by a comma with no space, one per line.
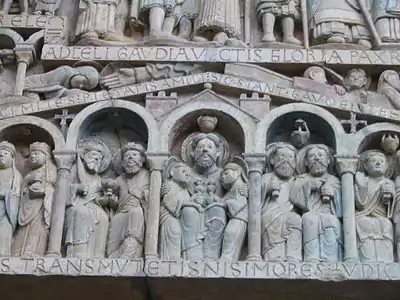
(246,55)
(31,21)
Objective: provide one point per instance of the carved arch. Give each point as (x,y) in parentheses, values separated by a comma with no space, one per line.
(13,35)
(90,111)
(362,137)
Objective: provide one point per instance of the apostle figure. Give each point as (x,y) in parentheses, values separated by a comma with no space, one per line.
(127,227)
(389,86)
(234,179)
(10,192)
(318,194)
(374,193)
(177,176)
(86,221)
(281,225)
(46,7)
(37,193)
(339,21)
(62,81)
(386,16)
(286,10)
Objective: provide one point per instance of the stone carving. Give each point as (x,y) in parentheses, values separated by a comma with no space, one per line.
(156,12)
(357,82)
(37,192)
(10,193)
(127,226)
(86,223)
(62,81)
(318,194)
(374,194)
(46,7)
(186,14)
(338,22)
(389,86)
(286,10)
(386,17)
(6,6)
(281,225)
(390,143)
(301,135)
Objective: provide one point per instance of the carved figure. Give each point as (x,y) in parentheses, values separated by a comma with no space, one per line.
(374,194)
(234,179)
(126,232)
(63,81)
(389,86)
(10,192)
(386,16)
(339,21)
(286,10)
(155,11)
(86,221)
(37,192)
(356,82)
(219,20)
(318,82)
(97,20)
(6,6)
(281,225)
(46,7)
(188,12)
(177,177)
(318,194)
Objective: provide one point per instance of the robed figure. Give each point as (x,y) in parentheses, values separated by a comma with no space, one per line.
(318,194)
(86,221)
(10,193)
(389,86)
(386,16)
(37,196)
(374,194)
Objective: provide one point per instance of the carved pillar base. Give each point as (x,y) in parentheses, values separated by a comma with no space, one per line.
(256,164)
(347,166)
(156,163)
(64,159)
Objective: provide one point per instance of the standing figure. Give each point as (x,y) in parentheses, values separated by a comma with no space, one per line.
(188,14)
(178,178)
(6,6)
(37,195)
(318,194)
(219,20)
(86,221)
(339,21)
(286,10)
(280,224)
(97,20)
(155,12)
(374,193)
(10,193)
(127,227)
(234,179)
(386,16)
(46,7)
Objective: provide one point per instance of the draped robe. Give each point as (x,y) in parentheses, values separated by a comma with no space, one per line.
(281,225)
(127,227)
(35,213)
(374,229)
(322,234)
(10,186)
(386,15)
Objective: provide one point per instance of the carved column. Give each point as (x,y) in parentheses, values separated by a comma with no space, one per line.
(156,163)
(256,163)
(347,166)
(64,159)
(24,55)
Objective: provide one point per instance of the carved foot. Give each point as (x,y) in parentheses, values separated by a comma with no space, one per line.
(254,258)
(268,38)
(199,39)
(90,35)
(221,37)
(336,39)
(365,43)
(292,40)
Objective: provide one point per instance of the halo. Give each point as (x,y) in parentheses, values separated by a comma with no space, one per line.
(271,148)
(83,63)
(364,156)
(106,161)
(186,149)
(301,158)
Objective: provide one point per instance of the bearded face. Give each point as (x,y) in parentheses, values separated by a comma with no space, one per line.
(376,165)
(205,154)
(317,161)
(132,161)
(93,161)
(284,162)
(6,159)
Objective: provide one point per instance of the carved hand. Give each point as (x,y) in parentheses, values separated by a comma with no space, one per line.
(316,184)
(341,91)
(388,188)
(274,185)
(327,190)
(82,189)
(122,77)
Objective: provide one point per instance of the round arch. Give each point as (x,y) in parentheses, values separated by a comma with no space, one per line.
(15,37)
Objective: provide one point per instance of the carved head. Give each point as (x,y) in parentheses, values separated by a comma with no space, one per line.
(92,156)
(375,164)
(181,174)
(315,73)
(283,160)
(39,152)
(133,157)
(87,78)
(230,174)
(7,154)
(211,188)
(206,150)
(356,79)
(200,187)
(317,160)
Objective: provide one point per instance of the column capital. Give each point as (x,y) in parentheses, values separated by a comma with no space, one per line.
(255,161)
(156,160)
(347,164)
(24,53)
(64,158)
